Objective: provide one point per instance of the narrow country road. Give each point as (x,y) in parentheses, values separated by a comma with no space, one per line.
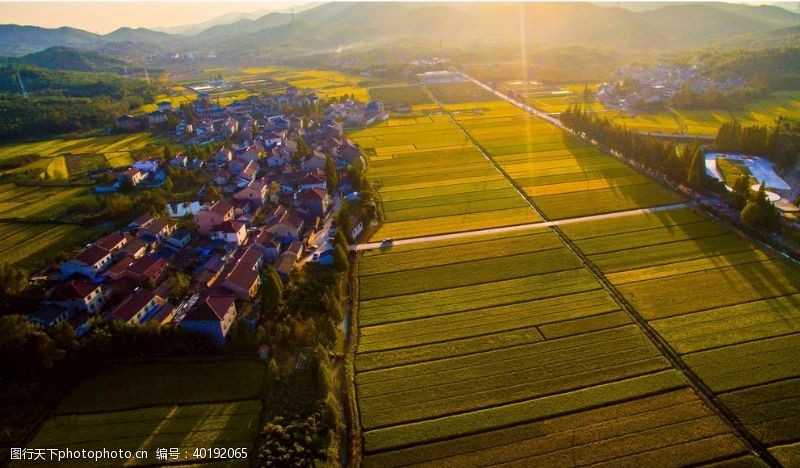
(519,227)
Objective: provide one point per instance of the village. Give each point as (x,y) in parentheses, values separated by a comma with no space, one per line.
(636,86)
(283,183)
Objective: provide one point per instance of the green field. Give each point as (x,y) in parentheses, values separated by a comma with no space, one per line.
(184,405)
(30,245)
(397,95)
(564,177)
(735,320)
(433,180)
(496,349)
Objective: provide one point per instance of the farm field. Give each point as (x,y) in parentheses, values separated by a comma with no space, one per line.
(564,177)
(39,202)
(736,320)
(433,180)
(149,406)
(67,157)
(397,95)
(328,83)
(496,349)
(32,244)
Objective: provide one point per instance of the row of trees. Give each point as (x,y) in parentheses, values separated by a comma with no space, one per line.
(780,144)
(662,157)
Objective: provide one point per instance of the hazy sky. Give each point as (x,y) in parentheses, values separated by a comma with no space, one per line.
(103,17)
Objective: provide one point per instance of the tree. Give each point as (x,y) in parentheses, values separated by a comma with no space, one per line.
(211,194)
(330,173)
(13,280)
(167,153)
(271,290)
(340,262)
(760,213)
(697,170)
(741,192)
(168,186)
(180,283)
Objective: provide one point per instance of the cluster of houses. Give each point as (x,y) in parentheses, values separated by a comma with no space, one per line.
(276,208)
(658,83)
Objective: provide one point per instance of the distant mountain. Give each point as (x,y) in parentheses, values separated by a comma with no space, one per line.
(228,18)
(785,37)
(67,58)
(354,26)
(16,40)
(137,35)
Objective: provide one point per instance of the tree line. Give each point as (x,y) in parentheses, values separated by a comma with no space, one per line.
(780,144)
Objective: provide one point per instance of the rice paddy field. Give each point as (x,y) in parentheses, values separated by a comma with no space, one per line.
(148,406)
(433,180)
(66,155)
(730,311)
(327,83)
(399,95)
(507,351)
(564,177)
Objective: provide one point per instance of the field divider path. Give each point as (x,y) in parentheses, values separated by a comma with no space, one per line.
(705,393)
(519,227)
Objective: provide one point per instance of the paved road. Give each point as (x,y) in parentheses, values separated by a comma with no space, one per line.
(520,227)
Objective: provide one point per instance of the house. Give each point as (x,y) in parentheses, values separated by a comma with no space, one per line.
(215,214)
(274,137)
(128,122)
(155,118)
(132,176)
(212,316)
(135,308)
(181,209)
(183,128)
(50,315)
(349,154)
(223,156)
(228,128)
(116,270)
(78,296)
(180,160)
(248,174)
(266,243)
(156,231)
(287,182)
(89,263)
(310,181)
(164,106)
(253,190)
(277,157)
(135,247)
(179,240)
(142,221)
(356,226)
(237,165)
(112,242)
(285,265)
(231,232)
(244,280)
(295,249)
(315,200)
(164,315)
(289,226)
(253,153)
(315,160)
(147,271)
(147,165)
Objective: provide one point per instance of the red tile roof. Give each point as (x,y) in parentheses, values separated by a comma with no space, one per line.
(92,255)
(221,207)
(111,241)
(128,308)
(229,227)
(242,276)
(314,193)
(212,308)
(147,265)
(74,290)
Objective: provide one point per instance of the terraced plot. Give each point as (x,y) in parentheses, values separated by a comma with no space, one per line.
(506,350)
(730,310)
(433,180)
(566,178)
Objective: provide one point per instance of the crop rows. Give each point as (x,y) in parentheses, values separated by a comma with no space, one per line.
(396,95)
(433,180)
(729,309)
(484,342)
